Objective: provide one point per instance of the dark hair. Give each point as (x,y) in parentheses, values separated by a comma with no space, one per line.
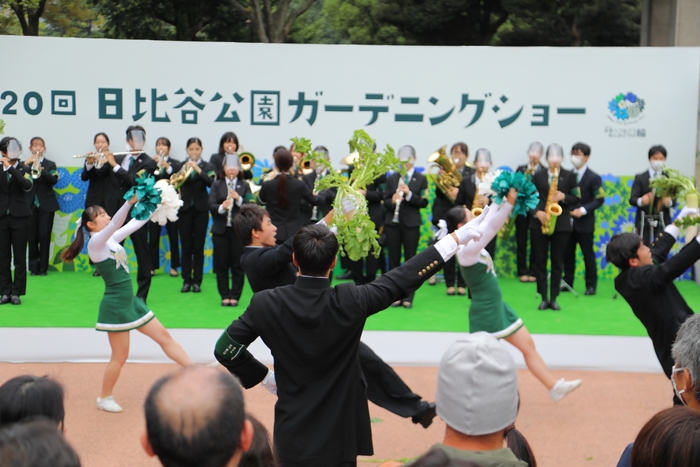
(437,457)
(228,136)
(164,140)
(74,249)
(517,443)
(100,134)
(261,452)
(464,149)
(454,217)
(656,149)
(31,141)
(583,147)
(27,396)
(670,439)
(277,148)
(194,140)
(283,162)
(133,128)
(5,142)
(315,247)
(209,441)
(621,248)
(35,443)
(249,218)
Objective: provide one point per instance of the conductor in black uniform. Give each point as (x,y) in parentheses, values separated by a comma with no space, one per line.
(646,282)
(402,225)
(313,331)
(583,214)
(522,222)
(653,212)
(125,170)
(554,243)
(15,182)
(43,203)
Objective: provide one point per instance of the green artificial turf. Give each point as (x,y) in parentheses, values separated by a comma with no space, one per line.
(68,299)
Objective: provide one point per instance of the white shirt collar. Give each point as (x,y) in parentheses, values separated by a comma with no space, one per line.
(653,174)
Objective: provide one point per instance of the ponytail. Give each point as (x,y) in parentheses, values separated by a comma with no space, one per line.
(283,161)
(69,254)
(282,198)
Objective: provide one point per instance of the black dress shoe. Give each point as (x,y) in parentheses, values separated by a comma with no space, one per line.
(186,288)
(426,417)
(544,305)
(4,299)
(554,306)
(96,273)
(32,273)
(196,288)
(15,300)
(43,274)
(590,291)
(345,276)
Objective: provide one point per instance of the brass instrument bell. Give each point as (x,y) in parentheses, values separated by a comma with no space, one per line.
(247,160)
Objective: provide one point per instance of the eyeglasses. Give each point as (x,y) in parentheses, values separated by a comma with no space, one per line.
(675,370)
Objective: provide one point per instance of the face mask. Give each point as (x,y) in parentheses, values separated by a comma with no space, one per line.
(577,161)
(657,165)
(675,370)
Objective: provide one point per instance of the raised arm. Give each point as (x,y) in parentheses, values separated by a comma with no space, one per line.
(128,229)
(99,239)
(495,219)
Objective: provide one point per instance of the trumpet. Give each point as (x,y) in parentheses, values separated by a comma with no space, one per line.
(36,166)
(247,160)
(447,176)
(159,164)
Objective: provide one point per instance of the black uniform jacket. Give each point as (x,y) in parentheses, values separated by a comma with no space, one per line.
(409,211)
(42,187)
(567,185)
(592,197)
(217,195)
(13,192)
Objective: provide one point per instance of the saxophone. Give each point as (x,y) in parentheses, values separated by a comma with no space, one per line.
(552,210)
(476,209)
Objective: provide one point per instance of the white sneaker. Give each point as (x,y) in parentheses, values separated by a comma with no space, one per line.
(108,404)
(562,388)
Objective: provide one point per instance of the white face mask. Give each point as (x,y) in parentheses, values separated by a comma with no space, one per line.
(577,161)
(657,165)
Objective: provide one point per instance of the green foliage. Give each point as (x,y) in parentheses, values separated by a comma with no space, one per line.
(71,18)
(673,185)
(357,236)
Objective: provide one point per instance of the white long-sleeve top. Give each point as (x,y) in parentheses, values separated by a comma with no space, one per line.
(105,243)
(474,252)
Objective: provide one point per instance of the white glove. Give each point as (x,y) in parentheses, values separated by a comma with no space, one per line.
(473,229)
(348,203)
(685,212)
(442,230)
(269,382)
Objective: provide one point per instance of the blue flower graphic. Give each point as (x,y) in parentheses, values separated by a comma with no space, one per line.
(612,105)
(600,249)
(621,114)
(624,223)
(260,167)
(632,97)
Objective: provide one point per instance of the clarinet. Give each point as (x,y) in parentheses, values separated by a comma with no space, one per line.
(395,220)
(230,208)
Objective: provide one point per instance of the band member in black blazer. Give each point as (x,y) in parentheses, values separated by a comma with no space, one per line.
(522,222)
(408,193)
(125,170)
(97,178)
(653,212)
(228,144)
(314,330)
(164,170)
(566,195)
(227,195)
(468,189)
(15,182)
(282,194)
(43,204)
(442,204)
(646,282)
(194,215)
(311,214)
(583,212)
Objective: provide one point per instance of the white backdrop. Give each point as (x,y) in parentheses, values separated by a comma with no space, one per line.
(424,96)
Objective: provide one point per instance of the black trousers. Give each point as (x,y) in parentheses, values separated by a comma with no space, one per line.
(365,270)
(553,246)
(452,274)
(139,240)
(227,257)
(396,237)
(521,239)
(585,241)
(40,227)
(154,233)
(386,389)
(193,232)
(14,232)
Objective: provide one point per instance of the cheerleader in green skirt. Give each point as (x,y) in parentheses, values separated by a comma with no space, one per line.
(487,311)
(120,311)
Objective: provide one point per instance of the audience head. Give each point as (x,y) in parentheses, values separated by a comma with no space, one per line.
(670,439)
(35,443)
(253,226)
(262,452)
(477,390)
(315,248)
(686,356)
(516,442)
(580,152)
(627,250)
(196,417)
(31,396)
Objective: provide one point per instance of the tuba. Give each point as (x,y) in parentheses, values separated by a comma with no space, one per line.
(247,160)
(447,176)
(552,209)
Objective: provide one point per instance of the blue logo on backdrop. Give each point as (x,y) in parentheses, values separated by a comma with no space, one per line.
(626,108)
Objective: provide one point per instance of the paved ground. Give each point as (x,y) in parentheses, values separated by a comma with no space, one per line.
(589,428)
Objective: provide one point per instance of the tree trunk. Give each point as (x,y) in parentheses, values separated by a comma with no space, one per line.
(271,26)
(30,23)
